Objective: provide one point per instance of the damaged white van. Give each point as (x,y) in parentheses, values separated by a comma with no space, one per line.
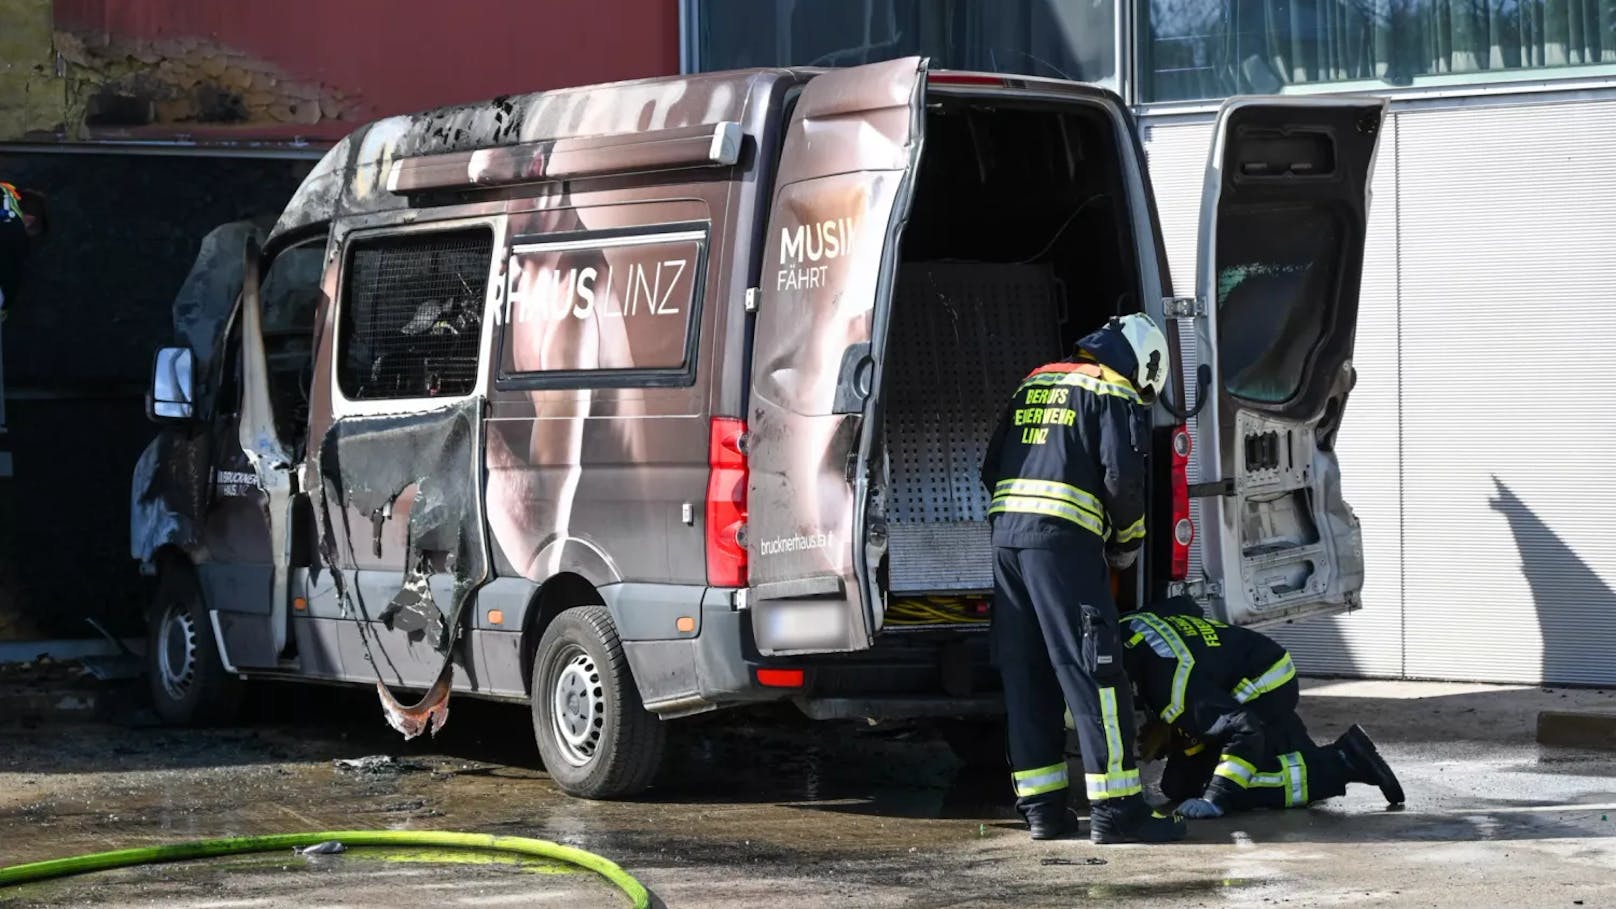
(639,400)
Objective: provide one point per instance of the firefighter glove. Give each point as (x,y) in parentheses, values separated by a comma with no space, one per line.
(1200,809)
(1121,560)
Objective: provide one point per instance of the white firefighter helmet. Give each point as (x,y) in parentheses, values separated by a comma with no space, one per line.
(1149,350)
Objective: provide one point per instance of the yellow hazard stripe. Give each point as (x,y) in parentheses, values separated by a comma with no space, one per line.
(1047,508)
(1080,380)
(1112,785)
(1278,674)
(1291,777)
(1050,489)
(1237,770)
(1039,780)
(1134,531)
(1166,642)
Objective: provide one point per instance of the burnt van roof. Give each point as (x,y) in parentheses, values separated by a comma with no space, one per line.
(352,177)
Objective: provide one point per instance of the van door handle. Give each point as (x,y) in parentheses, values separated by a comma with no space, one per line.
(1216,489)
(1203,382)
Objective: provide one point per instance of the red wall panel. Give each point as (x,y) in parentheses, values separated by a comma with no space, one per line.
(397,56)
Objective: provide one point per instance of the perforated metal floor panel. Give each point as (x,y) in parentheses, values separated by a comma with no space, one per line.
(963,336)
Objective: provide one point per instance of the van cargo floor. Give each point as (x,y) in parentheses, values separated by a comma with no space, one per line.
(963,336)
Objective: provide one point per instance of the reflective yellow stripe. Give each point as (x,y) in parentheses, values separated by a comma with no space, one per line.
(1236,770)
(1295,771)
(1112,785)
(1277,675)
(1039,780)
(1134,531)
(1047,508)
(1166,642)
(1195,749)
(1080,380)
(1292,777)
(1049,489)
(1113,732)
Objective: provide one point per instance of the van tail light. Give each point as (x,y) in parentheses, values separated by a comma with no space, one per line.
(726,503)
(1183,527)
(781,678)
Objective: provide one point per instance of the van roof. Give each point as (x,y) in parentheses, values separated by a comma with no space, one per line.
(352,177)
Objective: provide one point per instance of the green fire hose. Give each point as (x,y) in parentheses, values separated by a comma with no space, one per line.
(638,896)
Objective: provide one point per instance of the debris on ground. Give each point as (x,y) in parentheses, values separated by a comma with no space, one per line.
(378,765)
(1091,860)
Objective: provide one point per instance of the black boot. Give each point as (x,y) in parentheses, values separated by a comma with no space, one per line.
(1050,822)
(1130,820)
(1365,765)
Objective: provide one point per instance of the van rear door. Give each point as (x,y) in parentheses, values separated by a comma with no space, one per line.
(841,197)
(1283,219)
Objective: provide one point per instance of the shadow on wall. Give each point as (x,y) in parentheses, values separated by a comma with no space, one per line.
(1566,592)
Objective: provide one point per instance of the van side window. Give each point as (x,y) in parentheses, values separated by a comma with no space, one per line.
(1272,263)
(619,308)
(291,295)
(412,314)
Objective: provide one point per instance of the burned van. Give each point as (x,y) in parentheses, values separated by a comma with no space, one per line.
(639,400)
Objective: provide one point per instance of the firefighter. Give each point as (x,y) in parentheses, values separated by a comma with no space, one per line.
(1229,696)
(1066,471)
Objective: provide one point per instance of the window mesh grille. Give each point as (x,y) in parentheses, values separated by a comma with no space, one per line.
(412,315)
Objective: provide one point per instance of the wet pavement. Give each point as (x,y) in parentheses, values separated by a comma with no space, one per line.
(762,808)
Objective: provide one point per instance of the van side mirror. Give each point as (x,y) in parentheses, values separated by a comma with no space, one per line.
(171,398)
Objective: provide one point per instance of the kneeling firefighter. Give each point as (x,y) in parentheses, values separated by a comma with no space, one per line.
(1066,469)
(1229,697)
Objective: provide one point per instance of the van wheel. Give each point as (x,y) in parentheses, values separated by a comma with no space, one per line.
(597,740)
(189,686)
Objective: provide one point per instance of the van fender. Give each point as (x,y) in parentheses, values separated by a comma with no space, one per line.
(575,556)
(155,523)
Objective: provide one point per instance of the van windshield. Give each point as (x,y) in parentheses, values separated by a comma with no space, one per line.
(1053,38)
(1277,269)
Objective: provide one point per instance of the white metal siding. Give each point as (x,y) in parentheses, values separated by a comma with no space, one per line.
(1369,642)
(1508,227)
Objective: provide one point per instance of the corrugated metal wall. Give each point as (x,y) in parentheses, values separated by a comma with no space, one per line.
(1509,404)
(1476,447)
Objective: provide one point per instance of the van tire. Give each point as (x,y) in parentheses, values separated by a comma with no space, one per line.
(188,683)
(596,737)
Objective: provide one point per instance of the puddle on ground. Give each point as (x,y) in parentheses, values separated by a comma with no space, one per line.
(1164,889)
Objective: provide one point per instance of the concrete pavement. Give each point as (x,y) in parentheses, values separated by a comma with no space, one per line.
(766,809)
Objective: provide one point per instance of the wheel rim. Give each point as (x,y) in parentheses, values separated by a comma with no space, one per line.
(578,706)
(176,651)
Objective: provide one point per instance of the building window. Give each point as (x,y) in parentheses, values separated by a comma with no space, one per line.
(1194,49)
(1068,39)
(412,314)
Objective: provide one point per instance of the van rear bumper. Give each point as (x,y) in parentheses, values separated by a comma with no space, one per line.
(715,667)
(901,707)
(906,674)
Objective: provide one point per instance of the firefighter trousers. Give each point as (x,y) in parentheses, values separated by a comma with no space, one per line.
(1285,770)
(1054,639)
